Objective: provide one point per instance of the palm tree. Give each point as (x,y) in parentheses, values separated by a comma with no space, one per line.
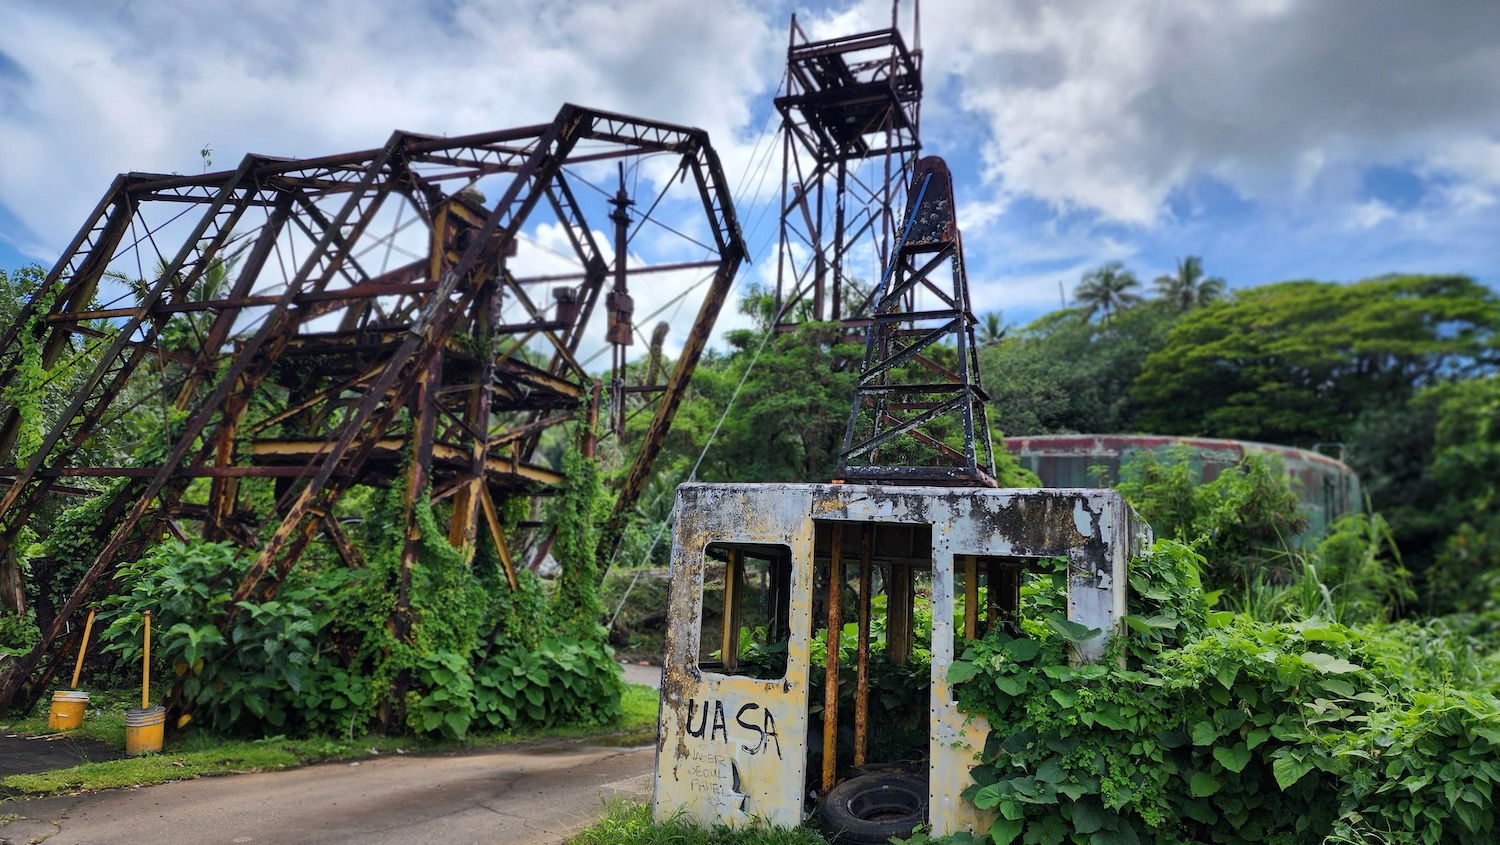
(1107,289)
(992,330)
(1189,287)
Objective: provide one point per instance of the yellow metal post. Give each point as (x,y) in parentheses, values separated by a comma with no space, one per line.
(729,638)
(146,666)
(971,597)
(492,516)
(898,612)
(82,647)
(862,659)
(831,677)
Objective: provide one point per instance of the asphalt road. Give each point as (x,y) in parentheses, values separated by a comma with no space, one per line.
(532,796)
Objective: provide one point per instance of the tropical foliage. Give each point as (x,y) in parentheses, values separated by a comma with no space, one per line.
(1107,289)
(1189,287)
(1396,372)
(1211,726)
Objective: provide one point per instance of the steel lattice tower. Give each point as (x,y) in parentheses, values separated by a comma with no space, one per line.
(850,130)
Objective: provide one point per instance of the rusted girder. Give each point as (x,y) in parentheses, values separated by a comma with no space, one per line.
(909,430)
(850,121)
(317,324)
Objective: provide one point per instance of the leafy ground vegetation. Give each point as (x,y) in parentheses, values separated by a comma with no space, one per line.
(1216,726)
(629,823)
(321,657)
(1340,692)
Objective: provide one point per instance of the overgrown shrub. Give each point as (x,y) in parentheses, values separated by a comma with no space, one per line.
(337,651)
(1237,522)
(275,668)
(18,632)
(1207,726)
(559,682)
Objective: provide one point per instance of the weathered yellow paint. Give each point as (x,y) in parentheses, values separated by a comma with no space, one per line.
(743,772)
(716,760)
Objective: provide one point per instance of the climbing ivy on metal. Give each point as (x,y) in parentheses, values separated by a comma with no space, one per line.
(302,326)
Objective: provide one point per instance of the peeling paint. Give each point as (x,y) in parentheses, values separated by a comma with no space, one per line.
(718,760)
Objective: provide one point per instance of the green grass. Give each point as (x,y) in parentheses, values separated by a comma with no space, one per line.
(638,707)
(197,753)
(629,823)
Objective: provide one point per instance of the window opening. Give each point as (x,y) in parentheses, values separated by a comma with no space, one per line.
(744,627)
(986,593)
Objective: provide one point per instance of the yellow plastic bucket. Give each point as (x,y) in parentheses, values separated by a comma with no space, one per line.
(67,709)
(143,730)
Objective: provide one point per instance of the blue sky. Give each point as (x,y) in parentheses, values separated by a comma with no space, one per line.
(1328,139)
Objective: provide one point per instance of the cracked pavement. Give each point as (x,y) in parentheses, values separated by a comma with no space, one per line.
(537,795)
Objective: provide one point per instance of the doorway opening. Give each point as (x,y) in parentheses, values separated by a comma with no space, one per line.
(870,678)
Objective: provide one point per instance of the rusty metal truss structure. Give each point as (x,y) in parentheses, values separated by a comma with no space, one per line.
(911,406)
(302,326)
(850,120)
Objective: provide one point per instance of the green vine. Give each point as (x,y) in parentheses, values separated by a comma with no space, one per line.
(1204,726)
(27,390)
(577,515)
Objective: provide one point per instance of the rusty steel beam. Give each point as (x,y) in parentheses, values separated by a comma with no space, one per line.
(714,191)
(890,410)
(834,630)
(199,420)
(262,391)
(21,500)
(862,654)
(506,217)
(850,123)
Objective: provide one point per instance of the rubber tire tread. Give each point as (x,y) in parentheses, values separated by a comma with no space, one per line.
(846,805)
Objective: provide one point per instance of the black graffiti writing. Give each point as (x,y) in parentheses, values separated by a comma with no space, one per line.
(766,730)
(720,728)
(760,726)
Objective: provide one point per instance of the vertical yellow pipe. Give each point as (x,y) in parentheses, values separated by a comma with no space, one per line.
(898,614)
(82,647)
(862,656)
(729,637)
(492,516)
(831,677)
(971,597)
(146,666)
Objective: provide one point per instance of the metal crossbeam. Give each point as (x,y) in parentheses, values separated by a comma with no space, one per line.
(904,427)
(256,310)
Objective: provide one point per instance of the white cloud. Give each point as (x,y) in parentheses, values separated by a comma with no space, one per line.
(146,87)
(1471,158)
(1111,113)
(1369,214)
(1110,106)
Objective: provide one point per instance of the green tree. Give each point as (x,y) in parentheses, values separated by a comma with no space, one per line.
(1108,288)
(1298,362)
(1061,374)
(1431,467)
(789,417)
(992,329)
(1189,287)
(1240,522)
(16,287)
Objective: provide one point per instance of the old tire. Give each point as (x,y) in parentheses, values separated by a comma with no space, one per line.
(870,809)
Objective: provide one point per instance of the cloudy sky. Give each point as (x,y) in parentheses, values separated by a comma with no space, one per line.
(1328,139)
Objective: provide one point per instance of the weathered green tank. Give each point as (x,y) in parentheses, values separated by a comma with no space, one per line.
(1327,486)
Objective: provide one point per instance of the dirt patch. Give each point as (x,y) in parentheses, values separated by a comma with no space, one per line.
(21,755)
